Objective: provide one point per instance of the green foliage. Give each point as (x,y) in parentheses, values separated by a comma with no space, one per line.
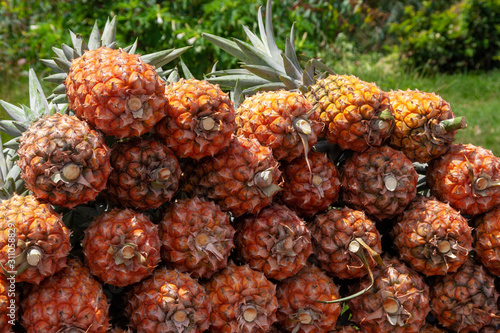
(463,36)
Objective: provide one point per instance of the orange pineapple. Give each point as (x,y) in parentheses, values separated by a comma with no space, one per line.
(466,300)
(310,185)
(196,237)
(121,247)
(398,301)
(468,177)
(63,161)
(69,301)
(297,295)
(333,232)
(41,240)
(145,174)
(275,242)
(486,240)
(168,301)
(241,178)
(243,301)
(281,120)
(116,92)
(200,119)
(432,237)
(380,180)
(425,126)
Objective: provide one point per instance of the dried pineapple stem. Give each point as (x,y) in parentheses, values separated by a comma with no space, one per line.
(207,124)
(305,318)
(70,172)
(180,316)
(449,125)
(264,178)
(391,306)
(317,180)
(391,183)
(444,246)
(161,174)
(384,120)
(127,252)
(135,105)
(202,239)
(250,314)
(302,126)
(34,255)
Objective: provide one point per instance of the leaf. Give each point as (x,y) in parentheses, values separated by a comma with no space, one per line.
(227,45)
(291,70)
(13,111)
(95,38)
(161,58)
(38,101)
(254,39)
(131,48)
(271,43)
(50,63)
(257,57)
(109,33)
(185,70)
(56,78)
(69,53)
(264,72)
(8,127)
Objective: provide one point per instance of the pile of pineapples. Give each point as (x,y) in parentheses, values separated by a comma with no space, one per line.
(137,199)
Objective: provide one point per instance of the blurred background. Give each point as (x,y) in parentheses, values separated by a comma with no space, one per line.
(449,47)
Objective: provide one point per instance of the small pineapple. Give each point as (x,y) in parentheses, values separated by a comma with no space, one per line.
(380,180)
(432,237)
(41,240)
(464,301)
(486,240)
(468,177)
(200,119)
(196,236)
(241,178)
(145,174)
(281,120)
(69,301)
(115,92)
(310,184)
(398,301)
(425,126)
(275,241)
(63,161)
(121,247)
(168,301)
(243,301)
(297,296)
(333,232)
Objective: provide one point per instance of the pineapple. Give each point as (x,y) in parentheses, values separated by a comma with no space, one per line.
(63,161)
(298,310)
(121,247)
(464,301)
(34,242)
(425,125)
(241,178)
(196,237)
(432,237)
(398,301)
(69,301)
(428,328)
(145,174)
(243,301)
(486,240)
(332,235)
(310,191)
(275,241)
(468,177)
(380,180)
(168,301)
(9,303)
(200,119)
(283,121)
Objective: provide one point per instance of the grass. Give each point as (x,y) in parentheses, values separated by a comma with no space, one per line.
(473,95)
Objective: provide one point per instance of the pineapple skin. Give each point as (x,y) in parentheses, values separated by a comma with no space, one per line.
(115,92)
(351,109)
(486,242)
(54,144)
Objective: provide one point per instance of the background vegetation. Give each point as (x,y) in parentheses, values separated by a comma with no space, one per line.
(451,47)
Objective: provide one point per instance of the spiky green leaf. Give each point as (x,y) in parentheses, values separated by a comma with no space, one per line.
(254,39)
(79,45)
(109,33)
(185,70)
(95,38)
(246,81)
(50,63)
(56,78)
(131,48)
(8,127)
(14,112)
(264,72)
(257,56)
(38,101)
(63,64)
(271,42)
(161,58)
(69,53)
(227,45)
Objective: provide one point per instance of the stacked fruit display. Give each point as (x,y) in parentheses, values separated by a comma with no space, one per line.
(134,200)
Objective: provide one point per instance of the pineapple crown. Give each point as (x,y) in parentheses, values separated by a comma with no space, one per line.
(61,63)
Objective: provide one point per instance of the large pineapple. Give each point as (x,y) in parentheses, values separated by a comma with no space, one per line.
(310,184)
(121,247)
(333,233)
(34,242)
(243,301)
(432,237)
(69,301)
(283,121)
(200,119)
(275,241)
(380,180)
(242,178)
(168,301)
(425,125)
(465,301)
(468,177)
(63,161)
(398,301)
(145,174)
(487,241)
(297,296)
(197,236)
